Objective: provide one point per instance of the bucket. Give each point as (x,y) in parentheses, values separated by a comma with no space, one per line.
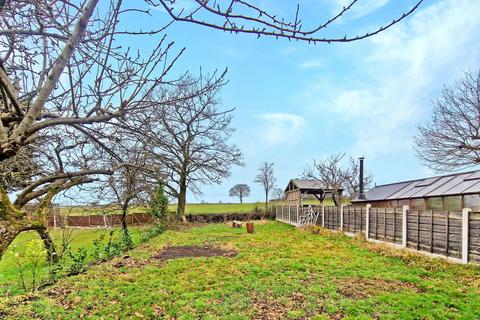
(250,227)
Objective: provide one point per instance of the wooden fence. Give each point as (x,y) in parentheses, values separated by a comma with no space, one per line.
(447,233)
(97,221)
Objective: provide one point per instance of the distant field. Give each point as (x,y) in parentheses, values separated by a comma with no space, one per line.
(197,208)
(192,208)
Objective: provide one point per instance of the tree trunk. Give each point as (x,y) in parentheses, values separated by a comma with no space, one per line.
(182,199)
(124,216)
(266,202)
(241,199)
(7,235)
(13,221)
(49,245)
(10,229)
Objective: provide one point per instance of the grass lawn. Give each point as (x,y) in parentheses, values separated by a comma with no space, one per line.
(9,281)
(279,273)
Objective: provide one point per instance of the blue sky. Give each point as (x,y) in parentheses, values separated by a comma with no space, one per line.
(295,101)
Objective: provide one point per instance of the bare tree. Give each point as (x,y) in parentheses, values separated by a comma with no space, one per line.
(245,17)
(451,140)
(352,182)
(266,178)
(277,193)
(334,176)
(66,80)
(131,183)
(186,130)
(239,190)
(330,173)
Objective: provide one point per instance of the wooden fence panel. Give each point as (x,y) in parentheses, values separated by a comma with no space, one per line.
(294,216)
(435,231)
(385,224)
(474,237)
(332,217)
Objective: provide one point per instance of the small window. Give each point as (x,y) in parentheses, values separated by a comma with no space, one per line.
(392,203)
(434,203)
(471,201)
(417,204)
(453,203)
(473,176)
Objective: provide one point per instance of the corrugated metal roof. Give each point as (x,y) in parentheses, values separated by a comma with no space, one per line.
(453,184)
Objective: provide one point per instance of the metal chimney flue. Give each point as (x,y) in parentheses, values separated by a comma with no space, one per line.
(361,187)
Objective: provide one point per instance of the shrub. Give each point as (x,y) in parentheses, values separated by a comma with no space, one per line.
(158,207)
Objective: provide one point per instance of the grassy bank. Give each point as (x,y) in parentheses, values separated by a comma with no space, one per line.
(79,238)
(278,273)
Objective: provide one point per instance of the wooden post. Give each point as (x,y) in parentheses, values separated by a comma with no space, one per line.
(367,221)
(465,218)
(404,225)
(323,216)
(54,221)
(341,217)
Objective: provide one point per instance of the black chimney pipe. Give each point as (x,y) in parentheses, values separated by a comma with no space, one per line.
(361,191)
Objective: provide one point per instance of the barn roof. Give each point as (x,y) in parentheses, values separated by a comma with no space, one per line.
(306,185)
(452,184)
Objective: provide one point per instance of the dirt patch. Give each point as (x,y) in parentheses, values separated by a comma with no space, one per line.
(361,288)
(175,252)
(295,306)
(130,262)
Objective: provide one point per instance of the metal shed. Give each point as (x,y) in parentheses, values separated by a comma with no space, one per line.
(297,189)
(448,192)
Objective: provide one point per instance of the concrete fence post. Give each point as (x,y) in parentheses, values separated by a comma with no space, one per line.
(54,221)
(465,220)
(367,220)
(323,216)
(105,221)
(341,217)
(404,225)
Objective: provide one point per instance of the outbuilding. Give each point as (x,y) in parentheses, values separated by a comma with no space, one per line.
(447,192)
(298,189)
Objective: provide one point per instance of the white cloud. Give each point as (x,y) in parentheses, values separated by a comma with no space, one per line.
(402,70)
(281,128)
(311,64)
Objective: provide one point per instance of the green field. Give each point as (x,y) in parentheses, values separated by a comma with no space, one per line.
(191,208)
(279,273)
